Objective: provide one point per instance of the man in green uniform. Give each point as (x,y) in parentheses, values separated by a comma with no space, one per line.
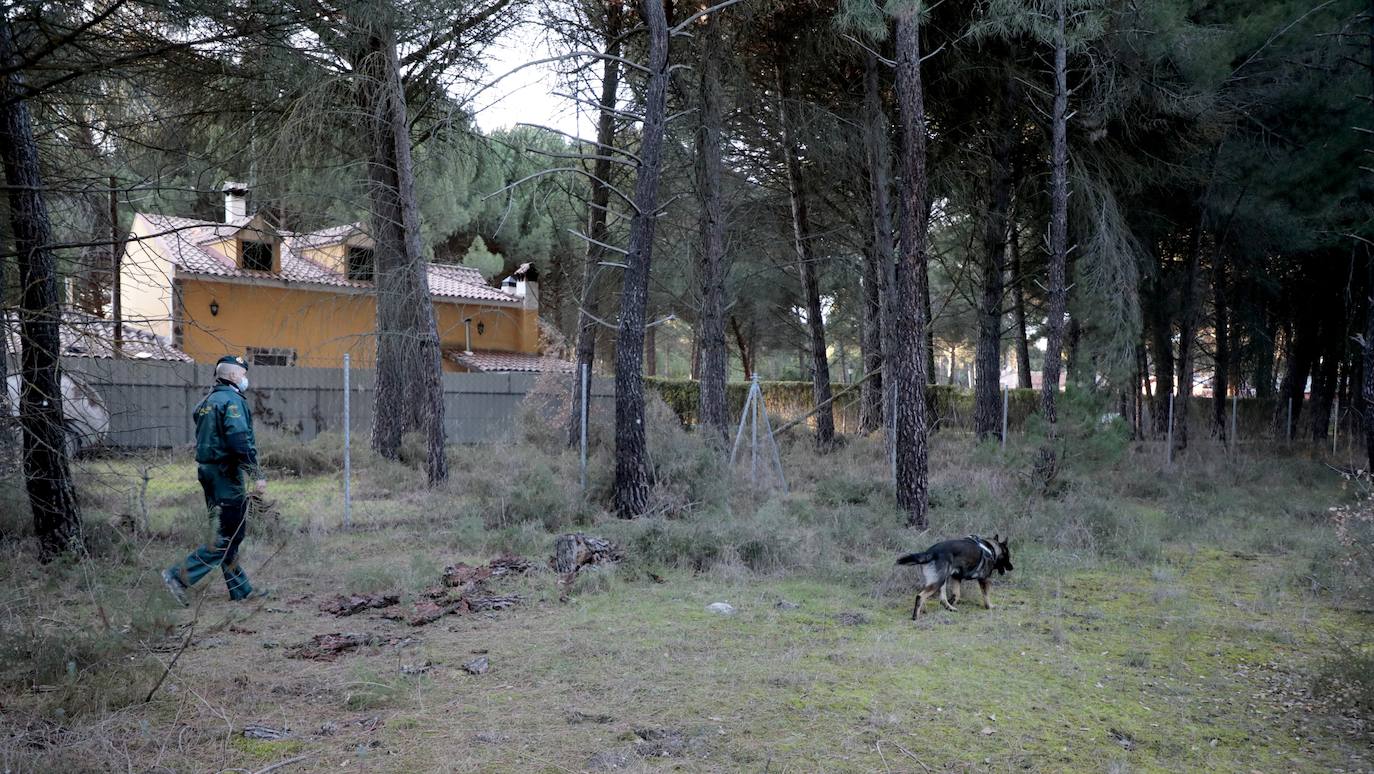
(226,452)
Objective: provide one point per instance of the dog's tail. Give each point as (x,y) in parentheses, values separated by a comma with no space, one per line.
(924,557)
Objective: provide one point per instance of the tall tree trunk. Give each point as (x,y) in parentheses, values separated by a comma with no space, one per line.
(871,344)
(715,357)
(558,275)
(878,265)
(1187,331)
(1301,353)
(116,282)
(1325,379)
(52,498)
(801,235)
(1018,294)
(1222,357)
(1162,353)
(746,348)
(1059,249)
(650,350)
(987,409)
(597,213)
(1140,392)
(909,358)
(409,387)
(1367,361)
(632,476)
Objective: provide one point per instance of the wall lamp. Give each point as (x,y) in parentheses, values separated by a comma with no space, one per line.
(214,308)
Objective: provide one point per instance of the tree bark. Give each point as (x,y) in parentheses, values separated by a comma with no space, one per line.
(1073,337)
(1221,326)
(1018,294)
(987,410)
(1301,358)
(1162,353)
(1367,361)
(116,283)
(801,235)
(1187,331)
(1059,249)
(632,476)
(52,498)
(409,388)
(715,360)
(1367,375)
(746,348)
(878,260)
(1325,377)
(597,214)
(909,358)
(650,350)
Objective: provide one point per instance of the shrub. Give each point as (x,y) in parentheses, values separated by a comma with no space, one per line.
(322,454)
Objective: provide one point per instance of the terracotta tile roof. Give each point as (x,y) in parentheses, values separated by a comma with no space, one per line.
(489,361)
(84,335)
(185,241)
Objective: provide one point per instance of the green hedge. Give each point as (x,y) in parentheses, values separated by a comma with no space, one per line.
(952,407)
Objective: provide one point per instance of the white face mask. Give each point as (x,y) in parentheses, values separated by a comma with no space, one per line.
(243,384)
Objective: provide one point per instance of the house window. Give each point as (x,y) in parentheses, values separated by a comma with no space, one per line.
(271,356)
(257,256)
(360,264)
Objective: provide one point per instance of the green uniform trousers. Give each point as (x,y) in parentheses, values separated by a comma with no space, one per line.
(227,499)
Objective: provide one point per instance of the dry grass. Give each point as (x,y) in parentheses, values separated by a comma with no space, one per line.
(1159,619)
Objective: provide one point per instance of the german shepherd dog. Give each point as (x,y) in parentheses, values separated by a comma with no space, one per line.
(970,558)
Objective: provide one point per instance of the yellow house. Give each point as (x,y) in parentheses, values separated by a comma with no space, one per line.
(305,299)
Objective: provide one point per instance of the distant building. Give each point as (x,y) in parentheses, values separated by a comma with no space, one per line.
(285,298)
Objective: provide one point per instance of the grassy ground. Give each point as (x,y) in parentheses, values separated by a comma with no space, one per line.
(1158,620)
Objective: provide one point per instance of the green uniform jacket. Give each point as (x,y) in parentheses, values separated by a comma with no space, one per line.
(224,432)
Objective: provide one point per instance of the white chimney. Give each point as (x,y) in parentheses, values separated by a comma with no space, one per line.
(235,201)
(524,285)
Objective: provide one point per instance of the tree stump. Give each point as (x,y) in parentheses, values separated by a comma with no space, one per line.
(574,550)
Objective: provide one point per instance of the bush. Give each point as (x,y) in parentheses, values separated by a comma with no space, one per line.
(323,454)
(1346,680)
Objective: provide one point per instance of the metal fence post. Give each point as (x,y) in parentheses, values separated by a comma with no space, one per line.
(348,439)
(1169,436)
(586,382)
(754,431)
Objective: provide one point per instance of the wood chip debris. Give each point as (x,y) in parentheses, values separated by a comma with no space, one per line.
(328,647)
(350,604)
(265,733)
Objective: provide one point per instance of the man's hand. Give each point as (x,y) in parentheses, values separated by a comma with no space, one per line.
(260,487)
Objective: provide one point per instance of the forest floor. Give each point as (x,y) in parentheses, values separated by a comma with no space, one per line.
(1159,645)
